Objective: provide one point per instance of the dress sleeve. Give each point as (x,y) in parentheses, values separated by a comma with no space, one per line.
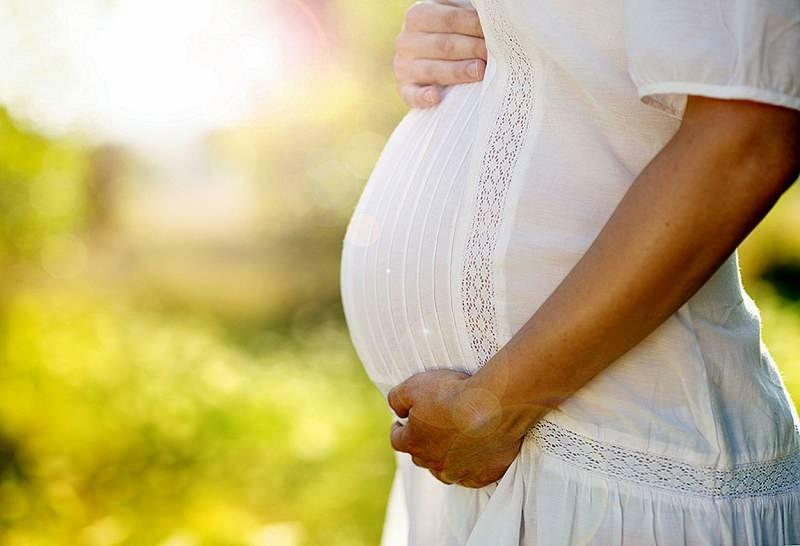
(728,49)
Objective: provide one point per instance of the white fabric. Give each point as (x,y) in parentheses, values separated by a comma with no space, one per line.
(479,207)
(730,49)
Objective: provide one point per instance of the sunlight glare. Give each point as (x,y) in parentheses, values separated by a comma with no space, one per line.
(140,71)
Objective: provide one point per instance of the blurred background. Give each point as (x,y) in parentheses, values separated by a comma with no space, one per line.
(175,182)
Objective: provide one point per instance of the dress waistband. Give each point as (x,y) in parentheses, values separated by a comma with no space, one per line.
(745,480)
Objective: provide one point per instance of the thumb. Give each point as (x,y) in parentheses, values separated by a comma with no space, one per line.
(399,437)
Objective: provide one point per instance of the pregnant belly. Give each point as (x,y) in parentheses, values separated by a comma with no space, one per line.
(397,268)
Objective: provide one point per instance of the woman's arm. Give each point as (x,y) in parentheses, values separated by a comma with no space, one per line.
(681,218)
(684,215)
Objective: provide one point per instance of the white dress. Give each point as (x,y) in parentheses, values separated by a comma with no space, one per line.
(479,207)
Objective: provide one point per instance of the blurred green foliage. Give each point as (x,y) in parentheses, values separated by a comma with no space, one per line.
(121,425)
(134,419)
(42,189)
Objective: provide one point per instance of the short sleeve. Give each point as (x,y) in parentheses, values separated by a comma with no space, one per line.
(728,49)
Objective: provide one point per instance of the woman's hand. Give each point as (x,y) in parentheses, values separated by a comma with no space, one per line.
(441,43)
(458,432)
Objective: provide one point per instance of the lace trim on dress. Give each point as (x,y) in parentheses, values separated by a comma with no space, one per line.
(505,142)
(745,480)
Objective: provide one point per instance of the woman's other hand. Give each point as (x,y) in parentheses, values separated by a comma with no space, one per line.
(458,432)
(441,44)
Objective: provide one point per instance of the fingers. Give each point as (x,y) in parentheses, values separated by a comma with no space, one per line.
(399,399)
(431,71)
(434,45)
(399,438)
(435,17)
(420,96)
(441,44)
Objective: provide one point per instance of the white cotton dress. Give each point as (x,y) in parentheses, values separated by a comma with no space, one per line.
(480,206)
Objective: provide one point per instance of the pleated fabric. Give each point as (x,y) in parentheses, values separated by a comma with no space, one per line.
(398,262)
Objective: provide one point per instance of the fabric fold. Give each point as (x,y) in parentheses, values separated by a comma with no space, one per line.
(500,521)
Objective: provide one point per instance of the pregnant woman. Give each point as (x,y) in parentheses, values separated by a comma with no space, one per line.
(541,276)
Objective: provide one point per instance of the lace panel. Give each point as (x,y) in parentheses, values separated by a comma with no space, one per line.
(505,142)
(746,480)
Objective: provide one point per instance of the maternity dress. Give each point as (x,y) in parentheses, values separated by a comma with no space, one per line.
(476,210)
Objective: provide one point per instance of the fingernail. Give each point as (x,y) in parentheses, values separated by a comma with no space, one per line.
(472,70)
(429,95)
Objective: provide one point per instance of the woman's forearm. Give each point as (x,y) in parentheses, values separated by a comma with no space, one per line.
(681,218)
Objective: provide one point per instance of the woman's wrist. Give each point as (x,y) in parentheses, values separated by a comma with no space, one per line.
(490,385)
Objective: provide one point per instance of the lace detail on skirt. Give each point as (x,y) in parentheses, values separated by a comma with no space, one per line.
(745,480)
(505,142)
